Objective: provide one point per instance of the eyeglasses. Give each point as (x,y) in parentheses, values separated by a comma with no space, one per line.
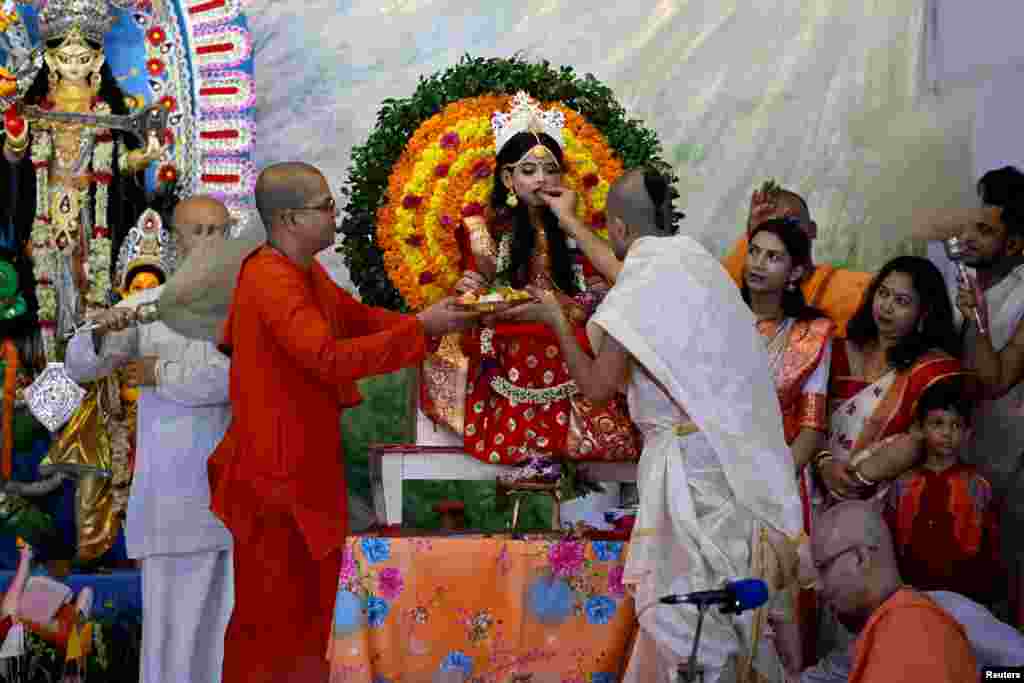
(827,563)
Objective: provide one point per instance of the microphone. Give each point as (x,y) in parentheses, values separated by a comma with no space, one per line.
(955,253)
(736,597)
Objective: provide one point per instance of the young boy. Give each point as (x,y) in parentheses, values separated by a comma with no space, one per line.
(942,514)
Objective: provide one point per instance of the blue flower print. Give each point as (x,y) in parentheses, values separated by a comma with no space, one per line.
(376,549)
(608,551)
(381,679)
(600,610)
(348,613)
(376,611)
(550,600)
(603,678)
(458,661)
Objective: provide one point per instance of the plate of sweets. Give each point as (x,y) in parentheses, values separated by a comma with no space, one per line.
(494,299)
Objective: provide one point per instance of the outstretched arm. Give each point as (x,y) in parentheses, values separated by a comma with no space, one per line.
(9,605)
(599,378)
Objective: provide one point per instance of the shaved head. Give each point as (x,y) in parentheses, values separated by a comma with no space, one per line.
(629,202)
(853,522)
(200,211)
(197,220)
(855,560)
(288,185)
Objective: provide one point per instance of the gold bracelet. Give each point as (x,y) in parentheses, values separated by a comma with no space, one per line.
(16,148)
(819,456)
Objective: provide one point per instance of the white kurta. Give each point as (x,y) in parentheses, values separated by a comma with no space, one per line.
(705,496)
(997,447)
(188,588)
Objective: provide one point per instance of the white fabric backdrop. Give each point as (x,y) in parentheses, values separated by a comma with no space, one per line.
(828,97)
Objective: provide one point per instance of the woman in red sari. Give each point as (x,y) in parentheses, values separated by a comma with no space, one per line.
(506,388)
(898,344)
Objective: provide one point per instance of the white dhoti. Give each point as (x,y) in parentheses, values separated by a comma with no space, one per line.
(718,495)
(188,600)
(690,535)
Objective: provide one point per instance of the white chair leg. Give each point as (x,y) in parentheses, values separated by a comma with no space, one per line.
(391,473)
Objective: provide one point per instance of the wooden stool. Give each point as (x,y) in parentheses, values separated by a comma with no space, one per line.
(453,515)
(518,490)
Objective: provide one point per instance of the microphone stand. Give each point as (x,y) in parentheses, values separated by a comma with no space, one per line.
(691,672)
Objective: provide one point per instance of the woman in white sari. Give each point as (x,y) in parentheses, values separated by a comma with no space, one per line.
(898,344)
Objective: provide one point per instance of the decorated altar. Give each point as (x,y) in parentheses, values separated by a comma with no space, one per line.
(481,608)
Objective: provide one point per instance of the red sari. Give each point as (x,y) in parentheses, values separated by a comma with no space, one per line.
(507,389)
(945,529)
(891,400)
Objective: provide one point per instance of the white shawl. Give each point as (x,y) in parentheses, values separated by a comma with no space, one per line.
(678,313)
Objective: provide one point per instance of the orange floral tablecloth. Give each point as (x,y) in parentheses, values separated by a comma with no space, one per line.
(479,609)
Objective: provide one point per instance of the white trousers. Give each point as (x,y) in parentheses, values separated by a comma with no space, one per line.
(186,604)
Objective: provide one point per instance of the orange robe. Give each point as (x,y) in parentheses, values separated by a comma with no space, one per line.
(836,292)
(910,639)
(298,343)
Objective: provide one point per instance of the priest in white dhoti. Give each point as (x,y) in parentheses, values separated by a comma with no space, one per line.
(183,412)
(718,495)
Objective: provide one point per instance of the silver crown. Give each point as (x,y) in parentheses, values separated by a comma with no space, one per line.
(148,243)
(71,21)
(526,116)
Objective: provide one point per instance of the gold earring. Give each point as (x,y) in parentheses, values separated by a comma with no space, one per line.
(52,78)
(94,82)
(512,201)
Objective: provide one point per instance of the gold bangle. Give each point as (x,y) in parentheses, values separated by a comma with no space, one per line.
(16,148)
(821,455)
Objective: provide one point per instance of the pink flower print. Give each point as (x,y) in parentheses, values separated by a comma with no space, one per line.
(616,588)
(566,558)
(348,567)
(390,583)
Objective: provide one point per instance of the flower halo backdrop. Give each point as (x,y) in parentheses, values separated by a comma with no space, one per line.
(429,163)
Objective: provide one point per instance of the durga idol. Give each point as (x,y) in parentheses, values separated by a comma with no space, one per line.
(510,394)
(76,189)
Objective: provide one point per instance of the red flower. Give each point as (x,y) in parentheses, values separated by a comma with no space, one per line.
(168,137)
(167,174)
(598,219)
(446,220)
(426,278)
(472,209)
(590,181)
(155,66)
(450,140)
(481,170)
(169,103)
(99,231)
(156,36)
(411,201)
(103,178)
(441,170)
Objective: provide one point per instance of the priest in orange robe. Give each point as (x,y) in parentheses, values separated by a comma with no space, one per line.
(298,343)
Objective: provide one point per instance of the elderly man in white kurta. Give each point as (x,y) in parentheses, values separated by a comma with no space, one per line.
(718,498)
(183,412)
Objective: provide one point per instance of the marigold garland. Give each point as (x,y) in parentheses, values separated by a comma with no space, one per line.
(436,152)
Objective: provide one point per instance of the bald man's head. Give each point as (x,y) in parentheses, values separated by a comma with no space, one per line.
(288,185)
(853,554)
(196,220)
(640,201)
